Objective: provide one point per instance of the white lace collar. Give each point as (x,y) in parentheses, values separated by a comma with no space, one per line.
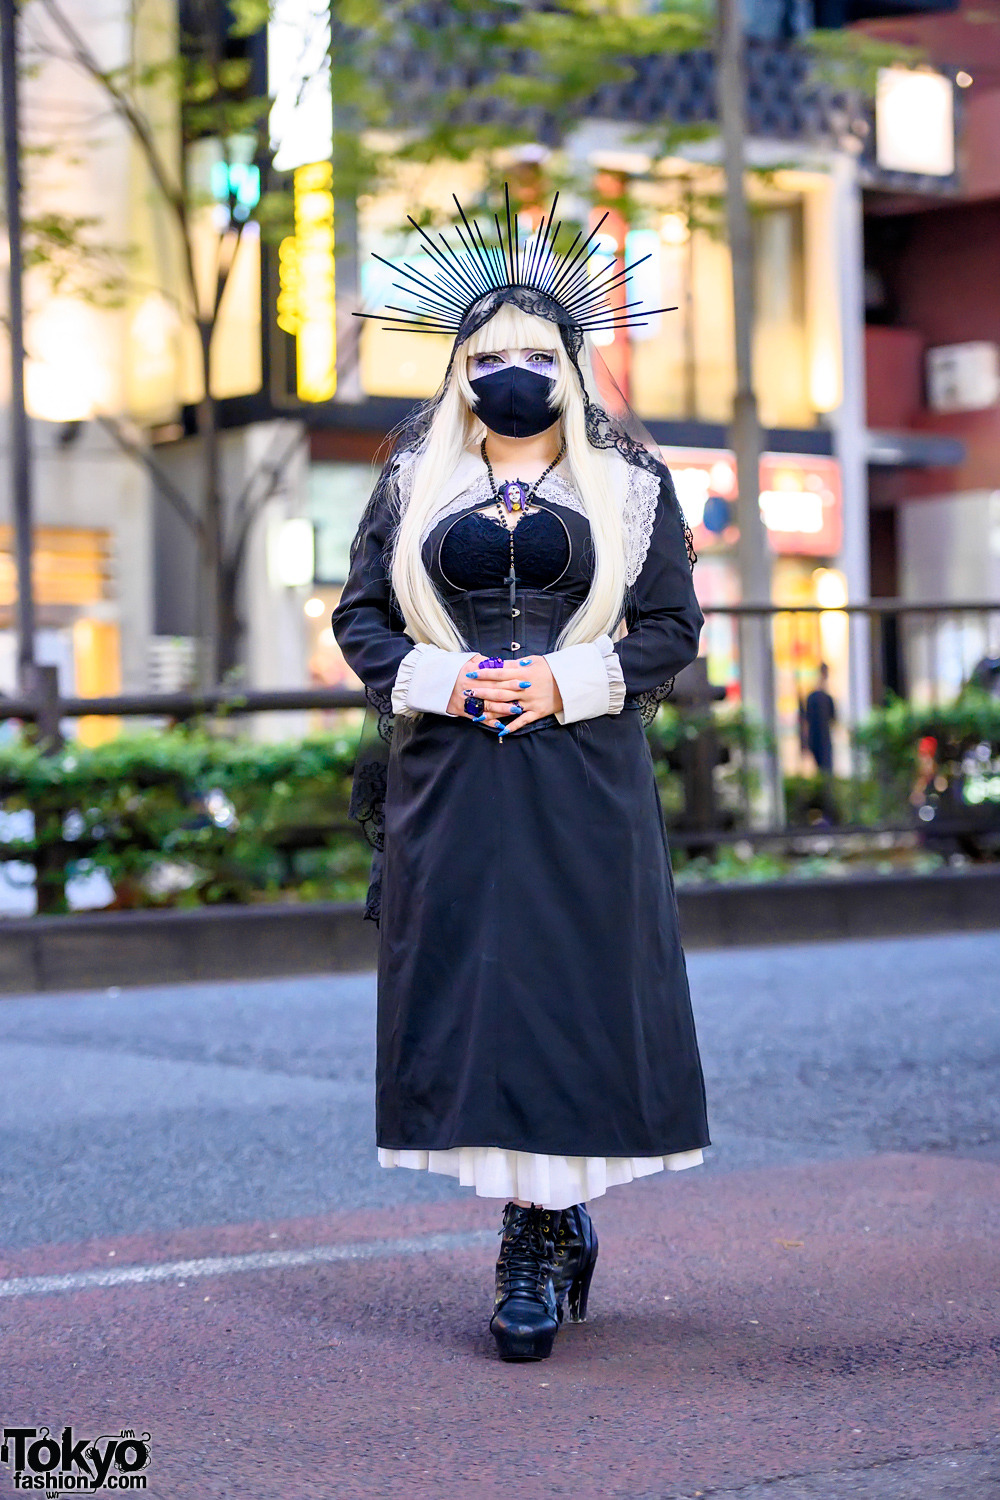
(470,484)
(479,493)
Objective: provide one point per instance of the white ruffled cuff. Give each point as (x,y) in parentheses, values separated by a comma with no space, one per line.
(589,678)
(425,680)
(616,680)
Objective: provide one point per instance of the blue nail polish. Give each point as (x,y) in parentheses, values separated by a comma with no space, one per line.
(526,662)
(472,674)
(524,684)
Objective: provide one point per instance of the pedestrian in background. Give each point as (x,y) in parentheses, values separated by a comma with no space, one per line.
(535,1035)
(819,713)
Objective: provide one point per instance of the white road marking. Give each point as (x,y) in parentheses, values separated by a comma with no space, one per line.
(228,1265)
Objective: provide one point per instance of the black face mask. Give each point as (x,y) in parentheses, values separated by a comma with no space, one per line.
(514,401)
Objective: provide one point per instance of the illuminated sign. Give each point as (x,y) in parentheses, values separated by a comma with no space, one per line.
(307,301)
(915,122)
(800,499)
(291,552)
(298,76)
(236,184)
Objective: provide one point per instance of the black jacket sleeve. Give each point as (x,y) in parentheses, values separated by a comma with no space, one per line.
(367,622)
(661,610)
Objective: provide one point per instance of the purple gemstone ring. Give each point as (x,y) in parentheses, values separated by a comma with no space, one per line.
(491,661)
(474,706)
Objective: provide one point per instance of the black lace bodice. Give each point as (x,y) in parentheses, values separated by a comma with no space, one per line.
(473,551)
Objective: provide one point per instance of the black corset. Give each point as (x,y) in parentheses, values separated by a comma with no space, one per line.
(483,618)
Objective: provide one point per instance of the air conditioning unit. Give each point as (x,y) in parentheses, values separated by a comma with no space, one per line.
(963,377)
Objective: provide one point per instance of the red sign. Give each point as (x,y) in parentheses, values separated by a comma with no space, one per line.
(800,500)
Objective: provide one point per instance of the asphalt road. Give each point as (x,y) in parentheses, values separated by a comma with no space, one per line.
(196,1241)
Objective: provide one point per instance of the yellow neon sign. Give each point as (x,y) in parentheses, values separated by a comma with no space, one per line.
(307,301)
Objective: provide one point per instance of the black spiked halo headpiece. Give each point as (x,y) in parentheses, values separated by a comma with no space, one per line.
(560,282)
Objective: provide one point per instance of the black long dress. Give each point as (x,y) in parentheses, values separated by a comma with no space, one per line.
(532,992)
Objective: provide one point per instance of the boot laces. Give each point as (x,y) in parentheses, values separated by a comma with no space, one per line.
(523,1264)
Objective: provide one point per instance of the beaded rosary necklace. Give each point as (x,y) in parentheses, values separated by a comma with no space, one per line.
(514,496)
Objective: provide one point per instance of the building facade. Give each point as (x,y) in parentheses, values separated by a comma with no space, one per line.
(864,481)
(933,367)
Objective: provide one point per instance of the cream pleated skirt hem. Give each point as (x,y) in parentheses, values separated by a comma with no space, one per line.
(552,1181)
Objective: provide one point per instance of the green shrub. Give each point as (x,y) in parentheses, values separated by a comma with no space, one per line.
(183,817)
(966,730)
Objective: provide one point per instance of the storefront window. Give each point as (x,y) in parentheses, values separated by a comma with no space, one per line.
(681,365)
(72,569)
(801,505)
(337,496)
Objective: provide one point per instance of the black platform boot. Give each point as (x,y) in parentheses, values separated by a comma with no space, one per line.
(575,1259)
(524,1321)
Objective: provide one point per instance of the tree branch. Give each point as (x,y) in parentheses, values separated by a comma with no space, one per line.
(116,430)
(248,505)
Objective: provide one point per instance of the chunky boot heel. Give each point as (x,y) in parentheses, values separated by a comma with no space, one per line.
(525,1320)
(579,1292)
(575,1260)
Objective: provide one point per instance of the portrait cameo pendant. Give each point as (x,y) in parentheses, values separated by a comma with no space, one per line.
(514,494)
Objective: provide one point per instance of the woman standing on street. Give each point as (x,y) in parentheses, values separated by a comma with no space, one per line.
(519,601)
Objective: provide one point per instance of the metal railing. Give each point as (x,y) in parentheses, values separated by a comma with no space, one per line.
(922,651)
(46,709)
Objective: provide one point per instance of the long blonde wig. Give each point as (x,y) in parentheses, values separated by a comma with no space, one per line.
(455,432)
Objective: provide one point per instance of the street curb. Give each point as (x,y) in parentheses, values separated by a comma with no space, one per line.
(101,949)
(98,949)
(748,914)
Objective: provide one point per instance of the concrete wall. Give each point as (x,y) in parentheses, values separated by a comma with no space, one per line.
(947,289)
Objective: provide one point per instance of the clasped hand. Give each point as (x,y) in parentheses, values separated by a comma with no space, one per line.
(526,680)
